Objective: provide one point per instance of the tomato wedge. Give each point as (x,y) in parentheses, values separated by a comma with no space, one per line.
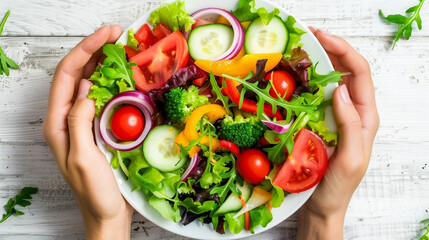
(160,61)
(131,52)
(161,31)
(306,166)
(144,35)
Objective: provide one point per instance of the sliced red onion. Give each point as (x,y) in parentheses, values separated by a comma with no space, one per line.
(192,165)
(279,126)
(212,14)
(134,98)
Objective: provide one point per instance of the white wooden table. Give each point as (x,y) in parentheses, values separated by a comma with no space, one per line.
(391,200)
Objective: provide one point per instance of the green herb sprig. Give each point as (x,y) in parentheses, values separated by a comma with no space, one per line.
(405,23)
(21,199)
(5,62)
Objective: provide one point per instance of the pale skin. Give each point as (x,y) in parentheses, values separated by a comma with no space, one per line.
(68,131)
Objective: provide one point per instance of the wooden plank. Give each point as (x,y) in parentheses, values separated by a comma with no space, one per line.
(58,18)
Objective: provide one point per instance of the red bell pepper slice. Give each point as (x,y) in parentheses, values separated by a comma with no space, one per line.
(230,146)
(248,105)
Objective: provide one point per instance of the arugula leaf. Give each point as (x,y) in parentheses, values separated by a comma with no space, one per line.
(132,41)
(259,216)
(231,175)
(219,95)
(294,37)
(323,80)
(296,106)
(5,62)
(20,199)
(174,15)
(405,23)
(115,76)
(425,236)
(246,11)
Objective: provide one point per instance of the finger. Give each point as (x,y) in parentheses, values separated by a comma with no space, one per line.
(349,125)
(360,82)
(80,119)
(115,33)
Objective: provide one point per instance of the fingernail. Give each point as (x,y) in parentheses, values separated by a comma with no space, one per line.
(84,88)
(344,92)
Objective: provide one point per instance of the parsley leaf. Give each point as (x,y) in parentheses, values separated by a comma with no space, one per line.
(21,199)
(5,62)
(405,23)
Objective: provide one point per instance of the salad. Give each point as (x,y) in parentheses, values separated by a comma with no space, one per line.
(215,116)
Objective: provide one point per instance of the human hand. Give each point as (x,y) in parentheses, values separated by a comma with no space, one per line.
(68,131)
(355,112)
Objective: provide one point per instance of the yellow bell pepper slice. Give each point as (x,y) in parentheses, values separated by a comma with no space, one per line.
(181,139)
(239,67)
(212,111)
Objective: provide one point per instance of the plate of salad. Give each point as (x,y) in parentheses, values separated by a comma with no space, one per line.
(216,115)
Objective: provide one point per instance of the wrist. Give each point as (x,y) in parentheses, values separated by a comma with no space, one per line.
(116,228)
(313,225)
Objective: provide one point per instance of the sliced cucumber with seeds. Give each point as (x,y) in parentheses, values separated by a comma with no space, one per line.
(160,151)
(210,41)
(261,38)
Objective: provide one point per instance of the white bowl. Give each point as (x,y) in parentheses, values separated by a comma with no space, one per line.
(291,203)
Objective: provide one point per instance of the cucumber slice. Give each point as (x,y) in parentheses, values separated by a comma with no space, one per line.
(261,38)
(160,151)
(210,41)
(233,203)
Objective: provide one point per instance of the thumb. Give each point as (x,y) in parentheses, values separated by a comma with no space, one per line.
(80,118)
(348,122)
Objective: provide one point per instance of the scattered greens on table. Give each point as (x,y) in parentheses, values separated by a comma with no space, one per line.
(5,62)
(21,199)
(405,22)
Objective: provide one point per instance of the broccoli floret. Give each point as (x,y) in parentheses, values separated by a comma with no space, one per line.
(179,103)
(245,132)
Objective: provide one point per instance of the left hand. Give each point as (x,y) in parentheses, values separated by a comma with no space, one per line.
(68,131)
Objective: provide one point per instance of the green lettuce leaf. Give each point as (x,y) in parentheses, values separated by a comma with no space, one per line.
(276,191)
(323,131)
(197,207)
(294,37)
(235,225)
(101,96)
(132,41)
(266,17)
(246,11)
(165,209)
(174,15)
(259,216)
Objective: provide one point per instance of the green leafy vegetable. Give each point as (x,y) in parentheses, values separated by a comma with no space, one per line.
(246,11)
(115,76)
(259,216)
(174,15)
(323,80)
(425,236)
(294,37)
(223,173)
(323,131)
(219,95)
(132,41)
(165,209)
(5,62)
(277,192)
(296,106)
(21,199)
(266,17)
(235,225)
(405,22)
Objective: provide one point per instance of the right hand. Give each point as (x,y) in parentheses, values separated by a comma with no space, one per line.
(357,121)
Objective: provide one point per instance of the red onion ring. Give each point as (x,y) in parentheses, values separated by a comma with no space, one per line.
(192,165)
(277,126)
(134,98)
(238,40)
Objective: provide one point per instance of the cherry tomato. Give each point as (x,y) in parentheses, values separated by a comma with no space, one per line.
(127,123)
(306,166)
(156,64)
(283,82)
(253,165)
